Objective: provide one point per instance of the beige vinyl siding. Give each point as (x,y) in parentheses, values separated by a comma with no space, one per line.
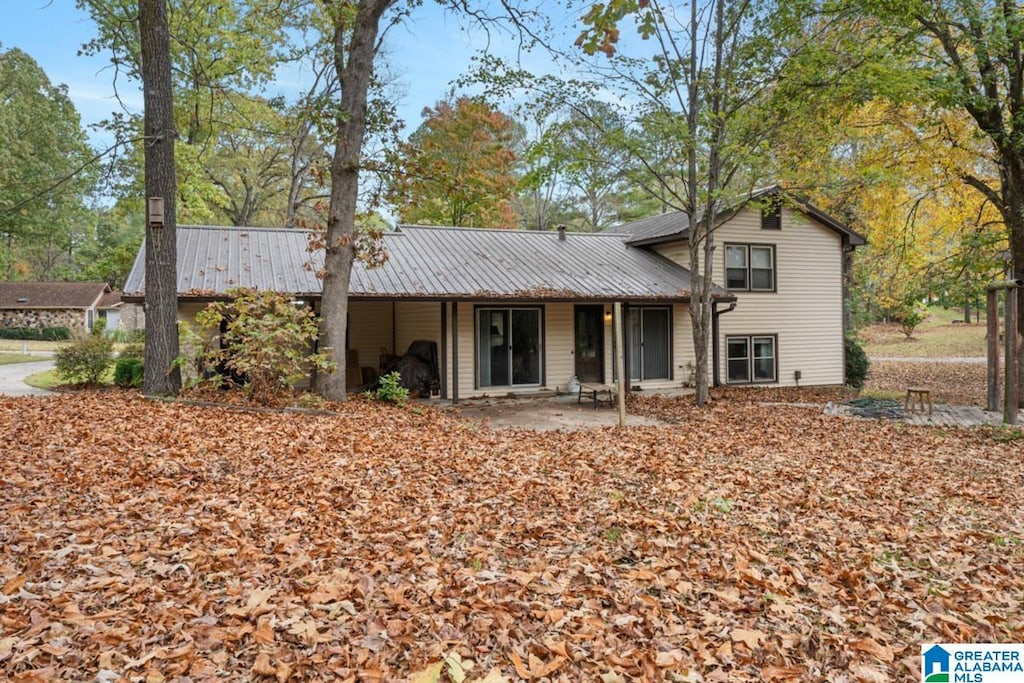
(370,330)
(805,311)
(675,251)
(559,345)
(417,320)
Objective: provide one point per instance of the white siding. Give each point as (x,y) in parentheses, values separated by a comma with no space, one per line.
(805,311)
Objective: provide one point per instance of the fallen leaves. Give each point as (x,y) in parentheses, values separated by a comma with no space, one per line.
(144,541)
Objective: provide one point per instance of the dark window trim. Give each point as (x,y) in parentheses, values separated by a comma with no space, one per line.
(750,359)
(543,343)
(750,267)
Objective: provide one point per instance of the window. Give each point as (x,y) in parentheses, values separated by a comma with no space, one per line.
(750,267)
(771,216)
(751,359)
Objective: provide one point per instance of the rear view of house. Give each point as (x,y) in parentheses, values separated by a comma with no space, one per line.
(514,311)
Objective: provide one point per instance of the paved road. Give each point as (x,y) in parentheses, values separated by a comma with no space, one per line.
(12,378)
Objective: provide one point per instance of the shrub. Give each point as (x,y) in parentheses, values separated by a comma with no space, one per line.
(857,364)
(19,333)
(910,318)
(55,334)
(128,373)
(86,360)
(390,389)
(266,340)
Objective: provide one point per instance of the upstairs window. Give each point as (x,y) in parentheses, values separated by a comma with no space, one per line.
(771,216)
(750,267)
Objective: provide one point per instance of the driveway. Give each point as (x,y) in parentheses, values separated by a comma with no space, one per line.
(12,378)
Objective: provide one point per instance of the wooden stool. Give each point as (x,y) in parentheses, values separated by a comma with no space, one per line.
(916,396)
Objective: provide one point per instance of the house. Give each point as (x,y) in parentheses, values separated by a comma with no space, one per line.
(516,311)
(74,305)
(788,265)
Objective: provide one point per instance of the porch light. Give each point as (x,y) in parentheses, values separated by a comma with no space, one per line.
(607,316)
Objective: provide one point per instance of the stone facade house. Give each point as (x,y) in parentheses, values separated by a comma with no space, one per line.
(74,305)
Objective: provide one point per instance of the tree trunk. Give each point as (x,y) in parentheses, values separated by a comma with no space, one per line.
(354,52)
(162,376)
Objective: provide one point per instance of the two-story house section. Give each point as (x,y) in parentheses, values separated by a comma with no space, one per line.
(787,264)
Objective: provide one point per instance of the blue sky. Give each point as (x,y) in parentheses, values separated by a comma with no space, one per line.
(427,55)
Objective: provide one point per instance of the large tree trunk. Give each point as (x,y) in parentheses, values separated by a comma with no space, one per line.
(162,376)
(354,50)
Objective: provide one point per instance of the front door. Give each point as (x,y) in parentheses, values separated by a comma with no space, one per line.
(589,343)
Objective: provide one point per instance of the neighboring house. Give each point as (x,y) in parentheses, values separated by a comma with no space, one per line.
(515,311)
(74,305)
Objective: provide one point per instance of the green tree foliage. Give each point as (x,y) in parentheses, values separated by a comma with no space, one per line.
(265,339)
(458,167)
(44,173)
(233,147)
(570,171)
(703,83)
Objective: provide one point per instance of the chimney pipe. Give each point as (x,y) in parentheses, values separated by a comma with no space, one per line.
(561,233)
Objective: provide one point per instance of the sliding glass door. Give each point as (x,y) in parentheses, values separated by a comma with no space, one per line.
(508,347)
(650,343)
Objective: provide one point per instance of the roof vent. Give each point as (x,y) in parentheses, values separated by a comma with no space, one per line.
(22,299)
(561,233)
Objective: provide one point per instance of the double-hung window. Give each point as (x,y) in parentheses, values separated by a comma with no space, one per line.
(751,359)
(750,267)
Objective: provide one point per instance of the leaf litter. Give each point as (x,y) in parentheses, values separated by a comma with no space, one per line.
(148,541)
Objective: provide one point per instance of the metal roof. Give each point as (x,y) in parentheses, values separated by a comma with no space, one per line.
(427,263)
(674,225)
(18,295)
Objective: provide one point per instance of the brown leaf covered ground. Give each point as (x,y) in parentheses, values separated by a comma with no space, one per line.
(962,384)
(145,541)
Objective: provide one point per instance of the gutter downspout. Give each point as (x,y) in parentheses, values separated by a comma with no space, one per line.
(715,314)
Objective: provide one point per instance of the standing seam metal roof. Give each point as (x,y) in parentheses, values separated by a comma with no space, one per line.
(427,263)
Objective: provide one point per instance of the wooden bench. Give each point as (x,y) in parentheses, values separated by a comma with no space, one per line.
(598,393)
(916,397)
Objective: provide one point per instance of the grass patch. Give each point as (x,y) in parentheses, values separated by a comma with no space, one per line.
(12,358)
(936,337)
(44,380)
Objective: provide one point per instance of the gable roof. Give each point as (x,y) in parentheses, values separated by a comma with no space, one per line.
(19,295)
(672,226)
(426,263)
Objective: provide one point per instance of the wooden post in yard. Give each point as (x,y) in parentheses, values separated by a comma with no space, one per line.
(620,362)
(992,383)
(1010,404)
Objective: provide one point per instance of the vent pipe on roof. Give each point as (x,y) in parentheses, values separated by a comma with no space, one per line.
(561,233)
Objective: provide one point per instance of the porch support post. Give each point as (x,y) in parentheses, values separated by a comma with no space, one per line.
(1010,404)
(992,384)
(620,363)
(444,349)
(455,352)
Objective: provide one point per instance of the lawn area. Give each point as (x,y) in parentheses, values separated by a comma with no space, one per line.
(11,358)
(936,337)
(160,541)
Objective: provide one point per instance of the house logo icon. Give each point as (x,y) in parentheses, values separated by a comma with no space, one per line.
(935,665)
